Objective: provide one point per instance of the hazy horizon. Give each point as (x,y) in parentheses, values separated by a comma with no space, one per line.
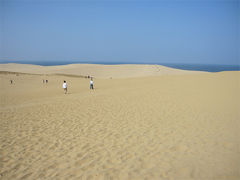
(132,32)
(39,62)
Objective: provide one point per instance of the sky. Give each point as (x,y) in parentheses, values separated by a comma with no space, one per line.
(127,31)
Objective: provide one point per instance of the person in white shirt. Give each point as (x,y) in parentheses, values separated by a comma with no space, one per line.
(91,83)
(65,87)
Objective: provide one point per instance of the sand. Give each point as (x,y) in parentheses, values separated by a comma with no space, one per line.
(176,126)
(96,70)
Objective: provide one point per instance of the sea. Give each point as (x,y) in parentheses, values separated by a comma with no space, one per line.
(192,67)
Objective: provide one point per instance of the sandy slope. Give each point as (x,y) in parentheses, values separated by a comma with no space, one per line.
(96,70)
(175,127)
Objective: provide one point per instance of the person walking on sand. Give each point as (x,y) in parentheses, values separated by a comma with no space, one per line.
(65,87)
(91,83)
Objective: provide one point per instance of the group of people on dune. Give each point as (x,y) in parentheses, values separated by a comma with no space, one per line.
(65,85)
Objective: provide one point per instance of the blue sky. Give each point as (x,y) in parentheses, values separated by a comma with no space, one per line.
(173,31)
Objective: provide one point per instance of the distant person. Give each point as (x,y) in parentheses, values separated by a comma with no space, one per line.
(65,87)
(91,83)
(46,81)
(11,81)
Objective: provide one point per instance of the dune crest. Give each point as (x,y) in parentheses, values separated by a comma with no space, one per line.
(96,70)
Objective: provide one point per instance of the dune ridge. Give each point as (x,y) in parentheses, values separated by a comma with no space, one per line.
(96,70)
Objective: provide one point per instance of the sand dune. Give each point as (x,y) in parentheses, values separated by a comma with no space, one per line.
(177,127)
(96,70)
